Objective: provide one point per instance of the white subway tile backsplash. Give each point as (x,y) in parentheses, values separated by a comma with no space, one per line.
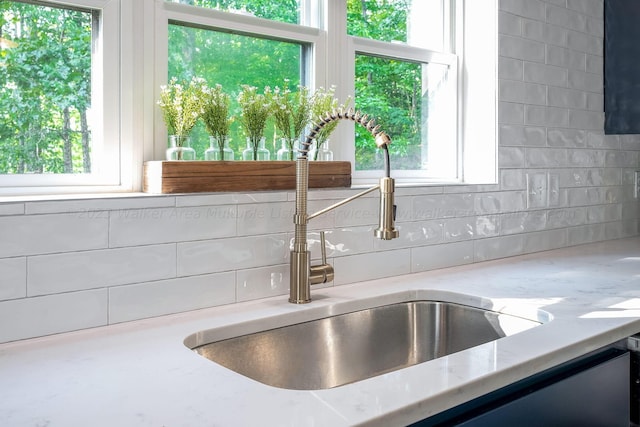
(510,157)
(211,256)
(566,18)
(34,317)
(164,225)
(262,282)
(511,113)
(567,217)
(443,206)
(599,140)
(573,138)
(374,265)
(585,196)
(523,222)
(522,92)
(604,213)
(75,271)
(587,82)
(512,179)
(363,211)
(343,241)
(487,226)
(41,234)
(630,142)
(586,234)
(546,116)
(503,201)
(584,43)
(98,206)
(566,58)
(620,159)
(522,135)
(265,218)
(595,65)
(543,32)
(457,229)
(217,199)
(510,69)
(11,209)
(586,158)
(545,157)
(534,9)
(595,102)
(498,247)
(589,7)
(151,299)
(544,240)
(545,74)
(13,278)
(442,256)
(567,98)
(509,24)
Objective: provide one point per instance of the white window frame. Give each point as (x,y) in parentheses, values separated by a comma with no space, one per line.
(212,19)
(471,35)
(112,166)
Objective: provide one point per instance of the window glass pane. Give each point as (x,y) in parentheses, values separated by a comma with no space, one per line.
(417,23)
(415,104)
(282,10)
(233,60)
(45,89)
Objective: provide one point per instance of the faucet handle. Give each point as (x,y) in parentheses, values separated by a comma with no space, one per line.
(321,273)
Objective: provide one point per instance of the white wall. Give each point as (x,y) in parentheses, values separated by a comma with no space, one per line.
(68,265)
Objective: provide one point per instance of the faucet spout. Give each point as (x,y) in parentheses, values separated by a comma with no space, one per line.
(302,273)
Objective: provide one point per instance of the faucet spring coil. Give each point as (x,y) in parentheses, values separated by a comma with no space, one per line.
(351,114)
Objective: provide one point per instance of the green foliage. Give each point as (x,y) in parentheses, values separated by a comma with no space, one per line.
(182,104)
(255,110)
(323,102)
(45,90)
(291,112)
(232,60)
(215,114)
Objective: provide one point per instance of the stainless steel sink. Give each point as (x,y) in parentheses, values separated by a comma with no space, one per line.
(350,347)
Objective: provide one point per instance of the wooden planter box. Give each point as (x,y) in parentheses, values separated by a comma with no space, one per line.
(164,177)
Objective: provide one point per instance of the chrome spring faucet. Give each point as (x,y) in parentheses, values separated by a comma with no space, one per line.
(302,273)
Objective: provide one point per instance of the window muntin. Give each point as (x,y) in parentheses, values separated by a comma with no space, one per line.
(233,60)
(288,11)
(419,23)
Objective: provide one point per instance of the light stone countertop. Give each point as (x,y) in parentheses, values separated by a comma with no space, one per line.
(141,374)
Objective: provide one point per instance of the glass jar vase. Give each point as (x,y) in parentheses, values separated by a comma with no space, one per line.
(255,151)
(285,152)
(217,151)
(324,154)
(180,148)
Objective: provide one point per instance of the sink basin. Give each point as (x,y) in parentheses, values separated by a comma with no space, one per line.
(345,348)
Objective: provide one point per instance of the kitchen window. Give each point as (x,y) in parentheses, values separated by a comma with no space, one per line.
(398,60)
(59,120)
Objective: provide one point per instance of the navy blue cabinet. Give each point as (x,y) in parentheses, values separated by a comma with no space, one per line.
(592,392)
